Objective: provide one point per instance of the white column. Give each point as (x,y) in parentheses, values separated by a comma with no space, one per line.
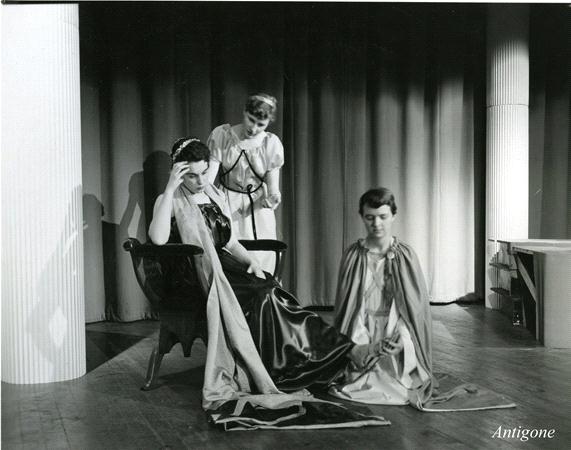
(507,147)
(43,329)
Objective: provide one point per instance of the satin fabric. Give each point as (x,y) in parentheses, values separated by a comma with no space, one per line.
(296,346)
(404,283)
(233,366)
(295,343)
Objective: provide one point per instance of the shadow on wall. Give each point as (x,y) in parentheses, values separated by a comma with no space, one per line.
(101,293)
(122,301)
(156,170)
(56,321)
(112,292)
(94,283)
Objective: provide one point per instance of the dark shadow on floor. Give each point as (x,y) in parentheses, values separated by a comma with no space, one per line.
(469,299)
(101,346)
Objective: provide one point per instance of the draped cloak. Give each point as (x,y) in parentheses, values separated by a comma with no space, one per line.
(234,369)
(233,365)
(404,284)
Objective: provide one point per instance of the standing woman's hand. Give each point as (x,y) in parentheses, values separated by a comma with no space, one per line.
(272,195)
(272,201)
(178,171)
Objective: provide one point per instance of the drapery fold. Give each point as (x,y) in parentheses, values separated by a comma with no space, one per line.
(232,361)
(369,95)
(550,123)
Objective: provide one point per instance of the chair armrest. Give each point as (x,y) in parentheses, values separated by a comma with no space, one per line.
(133,246)
(271,245)
(149,260)
(268,245)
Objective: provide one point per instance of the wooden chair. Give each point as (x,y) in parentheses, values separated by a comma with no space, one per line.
(170,275)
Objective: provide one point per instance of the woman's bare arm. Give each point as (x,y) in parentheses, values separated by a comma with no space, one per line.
(242,255)
(159,229)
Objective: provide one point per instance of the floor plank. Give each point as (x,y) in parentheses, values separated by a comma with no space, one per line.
(105,409)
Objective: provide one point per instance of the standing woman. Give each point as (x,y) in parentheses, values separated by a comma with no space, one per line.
(248,160)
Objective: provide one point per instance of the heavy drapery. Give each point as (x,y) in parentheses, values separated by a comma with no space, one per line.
(369,95)
(550,123)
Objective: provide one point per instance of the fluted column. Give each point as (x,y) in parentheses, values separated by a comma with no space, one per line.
(507,148)
(43,329)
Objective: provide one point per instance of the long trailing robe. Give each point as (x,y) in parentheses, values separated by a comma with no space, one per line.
(238,392)
(226,377)
(404,283)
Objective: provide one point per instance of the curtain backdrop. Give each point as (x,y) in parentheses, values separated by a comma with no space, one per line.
(369,95)
(550,123)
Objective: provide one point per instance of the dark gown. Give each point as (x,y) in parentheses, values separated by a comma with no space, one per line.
(297,347)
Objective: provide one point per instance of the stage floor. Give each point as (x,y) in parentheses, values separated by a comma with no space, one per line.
(105,409)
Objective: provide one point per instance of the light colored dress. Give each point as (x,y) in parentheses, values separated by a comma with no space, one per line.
(390,379)
(243,168)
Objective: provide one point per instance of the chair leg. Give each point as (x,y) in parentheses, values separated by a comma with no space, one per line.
(153,369)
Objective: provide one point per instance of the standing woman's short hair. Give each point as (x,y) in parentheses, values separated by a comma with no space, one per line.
(262,106)
(377,197)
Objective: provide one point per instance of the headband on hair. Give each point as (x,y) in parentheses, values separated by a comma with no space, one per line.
(267,100)
(182,145)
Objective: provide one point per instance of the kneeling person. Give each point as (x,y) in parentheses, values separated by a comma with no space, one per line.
(382,300)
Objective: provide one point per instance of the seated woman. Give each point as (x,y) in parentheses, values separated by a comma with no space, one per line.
(382,298)
(259,339)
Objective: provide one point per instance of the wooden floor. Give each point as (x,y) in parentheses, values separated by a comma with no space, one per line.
(106,410)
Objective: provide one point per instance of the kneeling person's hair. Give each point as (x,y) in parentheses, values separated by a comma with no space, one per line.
(377,197)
